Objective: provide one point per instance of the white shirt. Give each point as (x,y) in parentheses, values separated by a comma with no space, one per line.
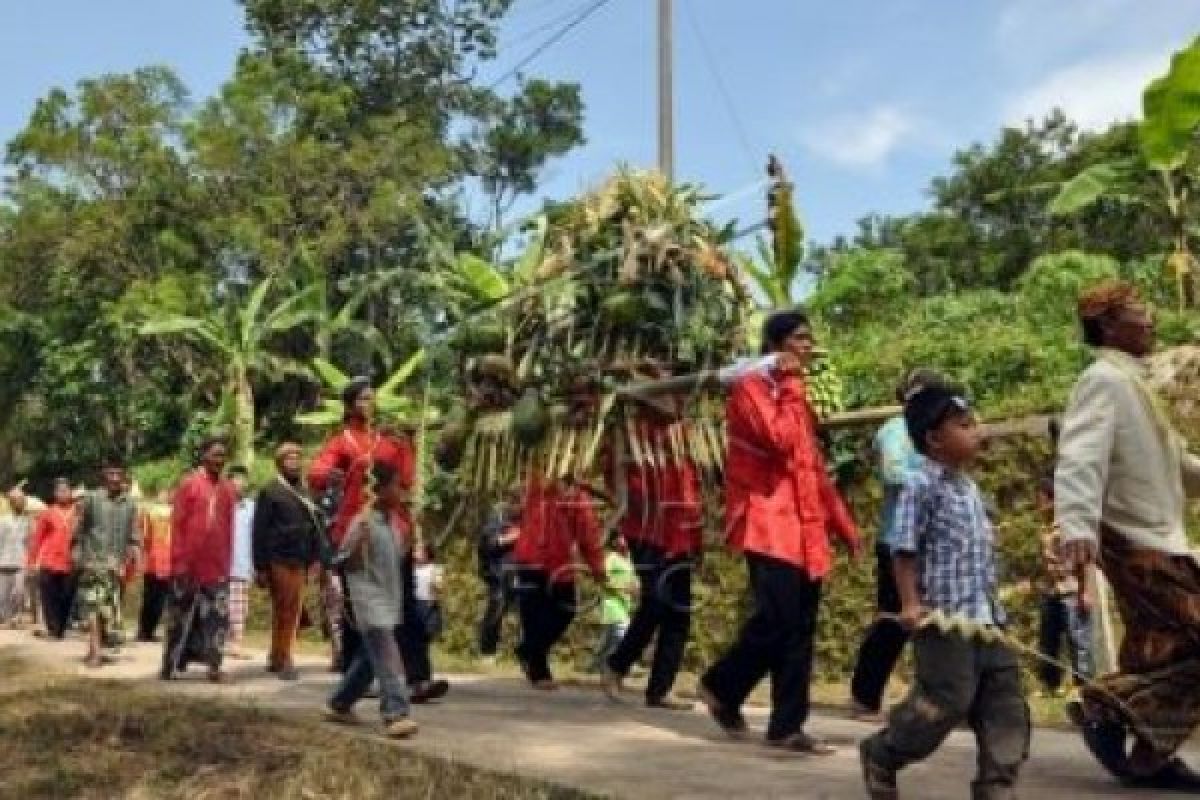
(425,578)
(241,563)
(1117,467)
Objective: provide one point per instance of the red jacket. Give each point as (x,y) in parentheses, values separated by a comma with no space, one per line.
(556,522)
(664,506)
(353,451)
(202,528)
(779,500)
(50,544)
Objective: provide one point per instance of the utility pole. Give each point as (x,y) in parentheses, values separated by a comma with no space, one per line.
(666,94)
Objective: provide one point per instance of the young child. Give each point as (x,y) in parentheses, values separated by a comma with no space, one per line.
(1065,603)
(423,624)
(617,602)
(945,561)
(373,554)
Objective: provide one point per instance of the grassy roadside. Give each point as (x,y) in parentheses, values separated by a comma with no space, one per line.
(67,737)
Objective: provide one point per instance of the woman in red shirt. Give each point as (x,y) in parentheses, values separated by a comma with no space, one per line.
(780,506)
(50,556)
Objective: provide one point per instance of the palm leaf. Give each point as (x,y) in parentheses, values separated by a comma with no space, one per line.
(333,377)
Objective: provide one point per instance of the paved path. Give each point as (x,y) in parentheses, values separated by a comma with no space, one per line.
(576,737)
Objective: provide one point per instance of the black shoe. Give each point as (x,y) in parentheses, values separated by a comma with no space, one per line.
(429,690)
(730,720)
(879,781)
(1106,742)
(1175,776)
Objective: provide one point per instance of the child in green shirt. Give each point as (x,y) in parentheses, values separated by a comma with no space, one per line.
(617,602)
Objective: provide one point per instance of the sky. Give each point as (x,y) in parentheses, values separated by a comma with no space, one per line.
(864,100)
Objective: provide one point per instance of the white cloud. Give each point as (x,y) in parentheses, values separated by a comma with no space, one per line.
(1094,93)
(864,140)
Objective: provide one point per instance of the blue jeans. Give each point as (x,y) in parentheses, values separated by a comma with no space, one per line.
(1061,619)
(379,657)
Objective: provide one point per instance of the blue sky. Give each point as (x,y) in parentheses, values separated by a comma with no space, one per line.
(864,100)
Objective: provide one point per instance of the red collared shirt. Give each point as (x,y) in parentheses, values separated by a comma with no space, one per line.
(353,451)
(779,500)
(664,506)
(202,528)
(53,534)
(557,523)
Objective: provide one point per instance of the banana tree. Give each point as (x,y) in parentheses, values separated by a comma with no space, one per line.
(239,337)
(391,401)
(1167,136)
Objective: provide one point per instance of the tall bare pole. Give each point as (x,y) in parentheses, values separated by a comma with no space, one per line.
(666,93)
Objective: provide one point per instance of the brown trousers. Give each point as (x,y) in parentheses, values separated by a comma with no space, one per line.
(286,584)
(1156,690)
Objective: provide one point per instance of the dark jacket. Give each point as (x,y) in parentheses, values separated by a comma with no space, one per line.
(285,527)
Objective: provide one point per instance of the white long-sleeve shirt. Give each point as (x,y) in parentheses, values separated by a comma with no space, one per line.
(1117,467)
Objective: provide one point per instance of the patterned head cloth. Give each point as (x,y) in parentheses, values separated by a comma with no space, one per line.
(1106,298)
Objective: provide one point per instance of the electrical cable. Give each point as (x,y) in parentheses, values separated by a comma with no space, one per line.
(550,42)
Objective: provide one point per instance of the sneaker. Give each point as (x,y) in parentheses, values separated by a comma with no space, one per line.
(670,703)
(400,728)
(879,781)
(341,716)
(289,674)
(612,682)
(730,720)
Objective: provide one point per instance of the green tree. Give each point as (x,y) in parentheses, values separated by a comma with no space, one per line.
(239,338)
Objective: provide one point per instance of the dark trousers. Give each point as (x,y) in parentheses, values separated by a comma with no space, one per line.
(885,639)
(57,590)
(154,600)
(777,640)
(665,608)
(1061,619)
(546,610)
(499,601)
(413,634)
(960,680)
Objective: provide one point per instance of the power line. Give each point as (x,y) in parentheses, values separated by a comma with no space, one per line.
(529,33)
(726,97)
(554,39)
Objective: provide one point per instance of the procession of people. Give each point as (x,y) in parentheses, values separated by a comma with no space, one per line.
(345,526)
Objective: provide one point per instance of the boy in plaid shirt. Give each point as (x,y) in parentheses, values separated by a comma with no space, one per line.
(945,560)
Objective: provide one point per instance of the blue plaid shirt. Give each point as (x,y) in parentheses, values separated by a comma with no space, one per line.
(941,519)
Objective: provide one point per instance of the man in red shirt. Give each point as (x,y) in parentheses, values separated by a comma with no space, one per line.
(779,508)
(50,557)
(557,524)
(663,525)
(201,546)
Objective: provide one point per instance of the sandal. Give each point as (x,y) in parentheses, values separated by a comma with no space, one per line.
(801,742)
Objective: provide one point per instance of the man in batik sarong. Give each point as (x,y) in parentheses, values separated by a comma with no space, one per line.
(1119,499)
(104,543)
(201,545)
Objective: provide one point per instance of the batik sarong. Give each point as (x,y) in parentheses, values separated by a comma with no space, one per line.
(100,595)
(1155,692)
(201,614)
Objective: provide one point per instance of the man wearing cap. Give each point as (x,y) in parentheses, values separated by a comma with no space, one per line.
(287,530)
(1120,486)
(898,459)
(780,507)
